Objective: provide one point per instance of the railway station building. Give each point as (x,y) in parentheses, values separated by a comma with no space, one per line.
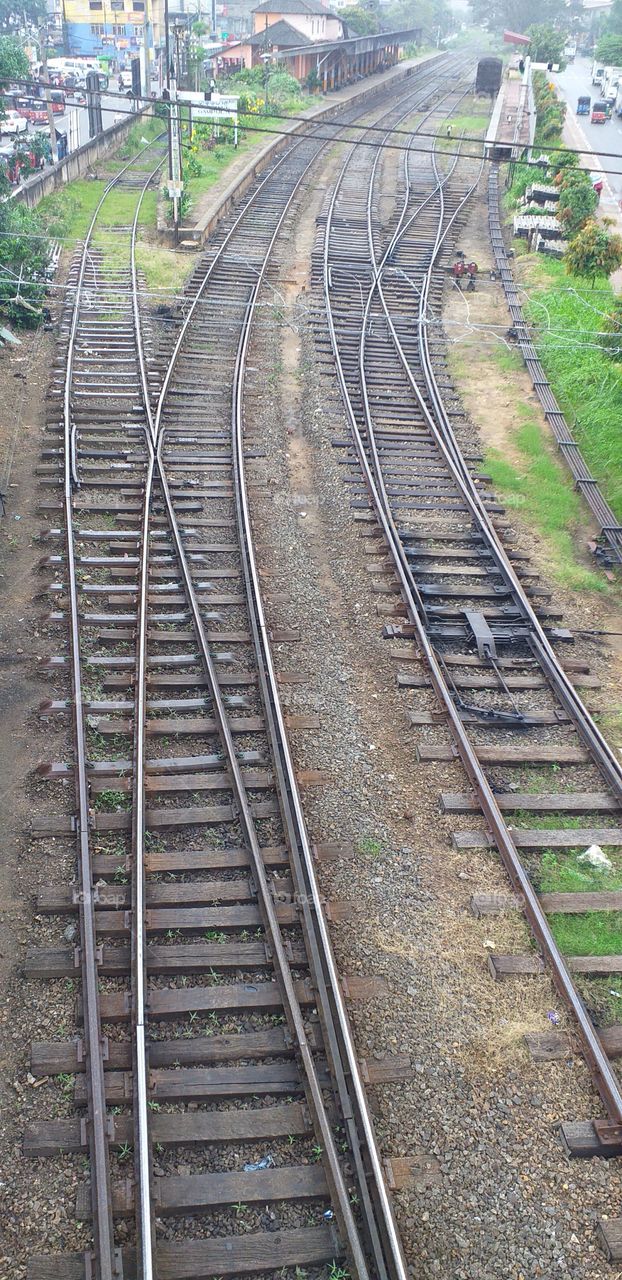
(302,36)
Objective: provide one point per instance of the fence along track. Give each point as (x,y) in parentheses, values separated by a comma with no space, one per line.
(568,447)
(157,431)
(431,404)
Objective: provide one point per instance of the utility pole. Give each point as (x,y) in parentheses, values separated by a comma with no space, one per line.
(148,42)
(174,148)
(266,70)
(43,50)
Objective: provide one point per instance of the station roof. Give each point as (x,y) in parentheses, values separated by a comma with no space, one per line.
(359,44)
(293,6)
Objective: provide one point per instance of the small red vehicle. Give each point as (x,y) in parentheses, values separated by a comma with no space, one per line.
(32,109)
(600,113)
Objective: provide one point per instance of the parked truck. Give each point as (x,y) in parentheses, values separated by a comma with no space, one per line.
(598,71)
(610,83)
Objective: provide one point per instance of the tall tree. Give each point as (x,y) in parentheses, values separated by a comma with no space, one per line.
(359,21)
(13,17)
(547,43)
(609,50)
(516,15)
(593,252)
(14,64)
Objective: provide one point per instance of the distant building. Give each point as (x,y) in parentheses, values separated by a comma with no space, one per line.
(112,29)
(278,25)
(311,18)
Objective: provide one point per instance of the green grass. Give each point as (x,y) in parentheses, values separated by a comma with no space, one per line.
(472,121)
(561,872)
(507,359)
(568,314)
(163,269)
(67,214)
(213,163)
(149,129)
(537,486)
(597,933)
(370,846)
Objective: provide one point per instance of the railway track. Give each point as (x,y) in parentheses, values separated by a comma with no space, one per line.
(213,1019)
(485,655)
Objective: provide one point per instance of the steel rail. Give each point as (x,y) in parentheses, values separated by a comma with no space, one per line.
(267,903)
(603,1075)
(388,1255)
(76,311)
(599,748)
(157,467)
(376,288)
(298,142)
(107,1258)
(145,1219)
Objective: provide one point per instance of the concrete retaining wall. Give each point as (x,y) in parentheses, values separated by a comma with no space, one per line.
(74,165)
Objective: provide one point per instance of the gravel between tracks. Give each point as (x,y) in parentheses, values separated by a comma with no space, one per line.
(499,1199)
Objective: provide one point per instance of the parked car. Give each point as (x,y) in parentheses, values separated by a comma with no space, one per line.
(13,123)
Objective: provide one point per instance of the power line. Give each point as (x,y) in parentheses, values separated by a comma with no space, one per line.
(341,125)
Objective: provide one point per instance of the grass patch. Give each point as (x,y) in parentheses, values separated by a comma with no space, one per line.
(561,873)
(163,269)
(537,486)
(507,359)
(371,847)
(145,129)
(568,315)
(67,214)
(111,801)
(472,121)
(550,821)
(597,933)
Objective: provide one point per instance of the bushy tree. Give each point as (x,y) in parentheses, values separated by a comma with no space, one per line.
(31,13)
(360,21)
(14,64)
(577,200)
(431,15)
(594,252)
(547,43)
(517,15)
(24,252)
(609,50)
(614,19)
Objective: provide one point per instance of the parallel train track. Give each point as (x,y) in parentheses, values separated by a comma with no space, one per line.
(481,625)
(206,967)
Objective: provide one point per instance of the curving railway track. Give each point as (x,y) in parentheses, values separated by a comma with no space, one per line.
(213,1026)
(213,1019)
(485,647)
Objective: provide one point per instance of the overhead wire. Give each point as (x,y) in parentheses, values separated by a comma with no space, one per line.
(341,125)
